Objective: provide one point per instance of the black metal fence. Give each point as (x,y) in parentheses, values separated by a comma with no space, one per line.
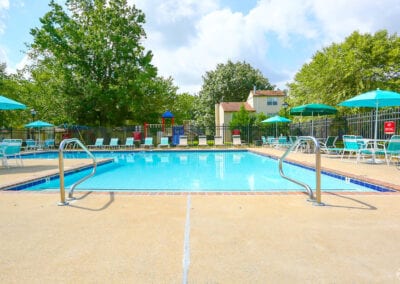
(358,124)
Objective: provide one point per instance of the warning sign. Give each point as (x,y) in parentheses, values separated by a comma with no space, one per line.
(390,127)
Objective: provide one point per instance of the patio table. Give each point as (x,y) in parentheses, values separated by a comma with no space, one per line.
(374,145)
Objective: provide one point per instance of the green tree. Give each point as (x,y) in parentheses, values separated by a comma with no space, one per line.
(240,119)
(104,75)
(230,82)
(183,108)
(361,63)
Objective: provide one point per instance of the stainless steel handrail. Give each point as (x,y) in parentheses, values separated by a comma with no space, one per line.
(63,144)
(301,139)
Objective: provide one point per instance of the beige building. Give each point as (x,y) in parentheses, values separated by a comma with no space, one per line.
(267,101)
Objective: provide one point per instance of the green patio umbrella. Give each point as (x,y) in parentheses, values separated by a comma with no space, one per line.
(374,99)
(311,110)
(275,119)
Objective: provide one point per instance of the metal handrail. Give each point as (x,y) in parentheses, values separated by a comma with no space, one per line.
(301,139)
(63,144)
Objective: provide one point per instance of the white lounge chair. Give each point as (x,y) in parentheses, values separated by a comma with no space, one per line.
(203,140)
(183,142)
(218,141)
(236,141)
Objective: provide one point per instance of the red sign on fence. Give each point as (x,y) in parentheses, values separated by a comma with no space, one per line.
(390,127)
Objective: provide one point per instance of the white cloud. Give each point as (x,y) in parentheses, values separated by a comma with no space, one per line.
(4,4)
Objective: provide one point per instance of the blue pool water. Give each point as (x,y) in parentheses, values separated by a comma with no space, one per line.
(192,171)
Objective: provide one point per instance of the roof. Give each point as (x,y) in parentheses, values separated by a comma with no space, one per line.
(268,93)
(235,106)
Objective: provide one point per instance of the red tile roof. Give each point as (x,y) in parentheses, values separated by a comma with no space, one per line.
(235,106)
(268,93)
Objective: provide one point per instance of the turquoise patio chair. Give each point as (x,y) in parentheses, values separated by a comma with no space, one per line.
(49,144)
(148,142)
(391,150)
(164,142)
(352,146)
(10,150)
(113,143)
(30,144)
(98,144)
(129,142)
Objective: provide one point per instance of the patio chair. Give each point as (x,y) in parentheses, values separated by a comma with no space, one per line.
(49,144)
(148,143)
(113,143)
(10,150)
(236,141)
(98,144)
(30,144)
(129,142)
(264,141)
(164,142)
(392,150)
(352,146)
(329,147)
(203,140)
(218,141)
(183,142)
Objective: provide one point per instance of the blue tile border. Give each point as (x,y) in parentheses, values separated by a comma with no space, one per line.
(366,184)
(29,184)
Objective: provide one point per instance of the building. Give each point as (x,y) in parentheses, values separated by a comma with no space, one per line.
(268,102)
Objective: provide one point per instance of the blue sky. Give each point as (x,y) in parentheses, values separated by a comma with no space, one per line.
(190,37)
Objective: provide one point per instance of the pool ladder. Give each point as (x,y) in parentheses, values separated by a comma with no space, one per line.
(316,200)
(63,145)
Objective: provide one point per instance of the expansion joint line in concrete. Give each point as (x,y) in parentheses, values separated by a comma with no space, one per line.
(186,242)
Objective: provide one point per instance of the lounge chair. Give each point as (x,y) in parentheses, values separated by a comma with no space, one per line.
(352,146)
(31,144)
(49,144)
(329,147)
(148,142)
(113,143)
(183,142)
(218,141)
(10,150)
(129,142)
(203,140)
(98,144)
(236,141)
(164,142)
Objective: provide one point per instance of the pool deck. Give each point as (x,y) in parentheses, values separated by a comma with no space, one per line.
(201,238)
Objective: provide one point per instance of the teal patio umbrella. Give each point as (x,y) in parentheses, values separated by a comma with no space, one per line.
(9,104)
(38,124)
(374,99)
(311,110)
(276,119)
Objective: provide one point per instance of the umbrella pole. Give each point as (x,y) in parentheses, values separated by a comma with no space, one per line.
(376,126)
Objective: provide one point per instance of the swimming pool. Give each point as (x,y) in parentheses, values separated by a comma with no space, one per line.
(192,171)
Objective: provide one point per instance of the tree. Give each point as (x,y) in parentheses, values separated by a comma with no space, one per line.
(361,63)
(183,108)
(104,75)
(240,118)
(230,82)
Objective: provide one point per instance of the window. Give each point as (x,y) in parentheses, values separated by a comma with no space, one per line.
(272,101)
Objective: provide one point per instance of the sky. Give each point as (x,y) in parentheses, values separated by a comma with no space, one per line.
(190,37)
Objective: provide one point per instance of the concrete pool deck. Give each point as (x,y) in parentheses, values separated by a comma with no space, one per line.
(129,238)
